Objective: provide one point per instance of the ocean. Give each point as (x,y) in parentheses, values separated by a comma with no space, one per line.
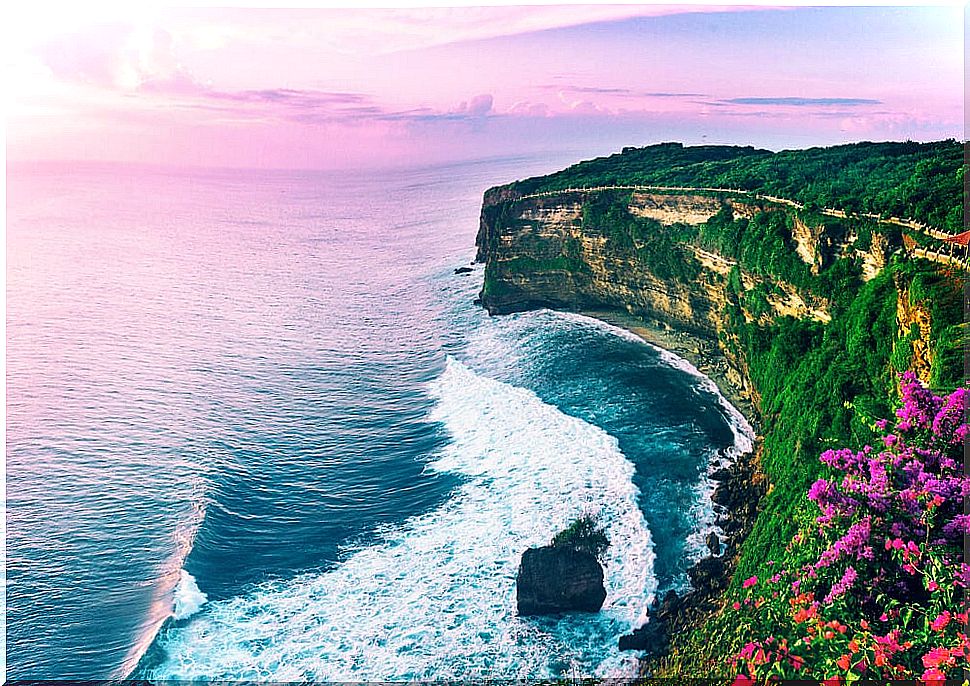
(257,429)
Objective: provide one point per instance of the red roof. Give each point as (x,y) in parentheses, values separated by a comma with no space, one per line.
(960,238)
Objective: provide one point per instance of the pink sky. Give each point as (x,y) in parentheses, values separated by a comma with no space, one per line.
(331,88)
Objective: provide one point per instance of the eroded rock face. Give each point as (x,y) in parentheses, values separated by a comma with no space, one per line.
(539,252)
(553,580)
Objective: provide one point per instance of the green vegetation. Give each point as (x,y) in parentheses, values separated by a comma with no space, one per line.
(822,386)
(658,247)
(872,586)
(819,384)
(585,534)
(922,181)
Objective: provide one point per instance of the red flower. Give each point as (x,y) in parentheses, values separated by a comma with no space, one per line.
(749,582)
(742,680)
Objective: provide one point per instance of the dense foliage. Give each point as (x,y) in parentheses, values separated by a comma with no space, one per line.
(881,595)
(869,587)
(923,181)
(763,245)
(584,534)
(818,384)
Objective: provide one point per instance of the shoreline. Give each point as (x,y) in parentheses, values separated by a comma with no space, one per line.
(738,489)
(700,352)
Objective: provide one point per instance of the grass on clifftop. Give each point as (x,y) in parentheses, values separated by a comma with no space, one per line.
(923,181)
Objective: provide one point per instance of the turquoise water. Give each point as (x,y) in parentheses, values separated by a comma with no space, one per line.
(257,429)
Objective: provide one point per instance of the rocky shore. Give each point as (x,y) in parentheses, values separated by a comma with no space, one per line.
(739,491)
(740,487)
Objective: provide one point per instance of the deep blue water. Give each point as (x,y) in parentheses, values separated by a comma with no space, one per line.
(263,401)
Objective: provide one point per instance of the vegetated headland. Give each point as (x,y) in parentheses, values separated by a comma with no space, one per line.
(823,290)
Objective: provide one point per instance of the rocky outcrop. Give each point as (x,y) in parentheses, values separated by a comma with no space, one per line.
(874,259)
(555,579)
(740,488)
(668,208)
(807,240)
(539,252)
(686,208)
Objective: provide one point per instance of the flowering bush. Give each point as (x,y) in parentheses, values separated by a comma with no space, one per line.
(883,596)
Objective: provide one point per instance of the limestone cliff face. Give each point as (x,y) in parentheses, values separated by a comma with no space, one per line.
(685,208)
(808,243)
(818,246)
(915,329)
(539,252)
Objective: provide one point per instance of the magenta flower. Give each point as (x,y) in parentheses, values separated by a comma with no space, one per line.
(941,621)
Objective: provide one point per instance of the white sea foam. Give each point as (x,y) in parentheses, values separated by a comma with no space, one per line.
(703,510)
(436,598)
(188,598)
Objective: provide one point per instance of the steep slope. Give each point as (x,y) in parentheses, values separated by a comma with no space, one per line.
(815,309)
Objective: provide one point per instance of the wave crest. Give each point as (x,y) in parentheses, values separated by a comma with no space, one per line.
(436,597)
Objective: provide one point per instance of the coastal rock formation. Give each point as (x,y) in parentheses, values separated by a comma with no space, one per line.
(553,580)
(545,252)
(713,543)
(915,328)
(797,299)
(654,636)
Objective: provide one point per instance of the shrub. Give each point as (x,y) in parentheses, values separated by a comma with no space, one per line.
(882,595)
(585,535)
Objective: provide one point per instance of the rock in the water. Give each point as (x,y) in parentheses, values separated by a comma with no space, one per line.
(652,637)
(708,575)
(552,580)
(463,270)
(713,543)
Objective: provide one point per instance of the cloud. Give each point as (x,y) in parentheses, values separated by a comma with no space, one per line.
(620,92)
(802,102)
(479,106)
(674,95)
(96,56)
(524,108)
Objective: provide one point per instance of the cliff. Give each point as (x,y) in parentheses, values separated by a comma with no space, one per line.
(553,252)
(815,310)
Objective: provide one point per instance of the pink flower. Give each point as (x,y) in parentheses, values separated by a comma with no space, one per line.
(748,583)
(940,622)
(742,680)
(736,605)
(937,657)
